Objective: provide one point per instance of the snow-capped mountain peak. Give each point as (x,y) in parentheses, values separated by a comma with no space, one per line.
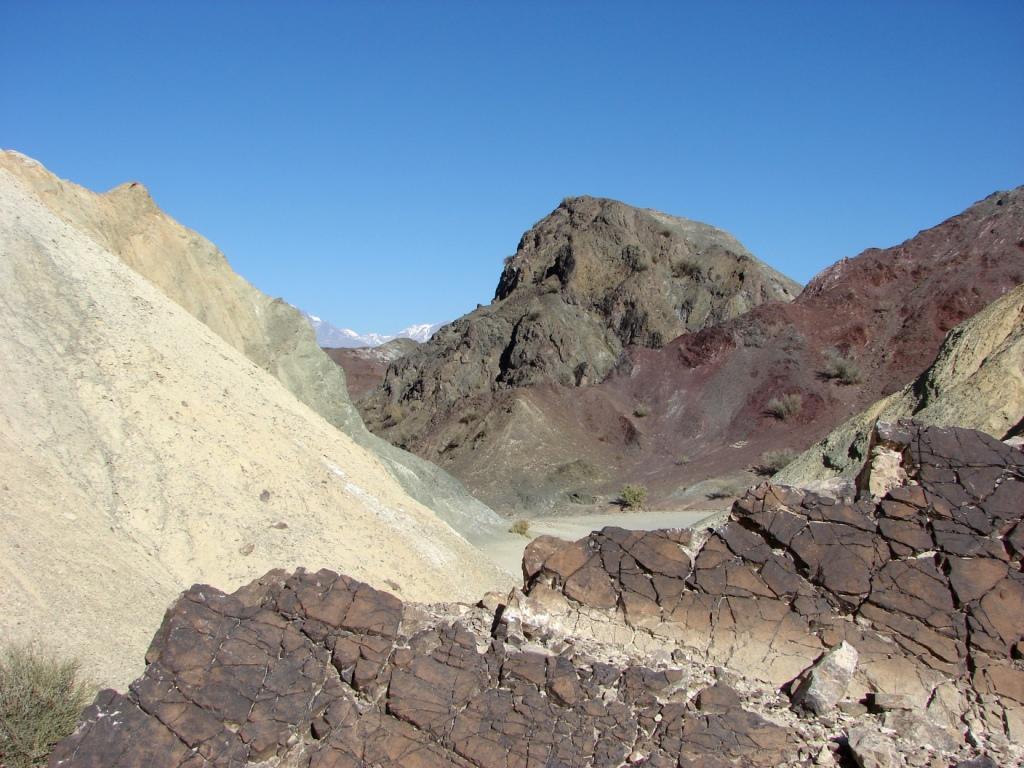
(331,336)
(421,332)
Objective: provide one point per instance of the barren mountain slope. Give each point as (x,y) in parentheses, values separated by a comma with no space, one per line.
(692,418)
(142,453)
(885,311)
(976,381)
(365,366)
(592,277)
(194,273)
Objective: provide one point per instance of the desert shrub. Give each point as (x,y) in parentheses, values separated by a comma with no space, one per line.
(840,368)
(641,410)
(773,461)
(40,700)
(633,496)
(782,408)
(687,268)
(635,258)
(521,527)
(393,414)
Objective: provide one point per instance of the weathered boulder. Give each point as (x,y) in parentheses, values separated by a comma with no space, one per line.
(824,684)
(871,749)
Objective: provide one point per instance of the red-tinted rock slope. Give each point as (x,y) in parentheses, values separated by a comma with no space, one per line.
(884,313)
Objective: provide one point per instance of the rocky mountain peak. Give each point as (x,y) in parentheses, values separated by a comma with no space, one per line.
(590,279)
(621,261)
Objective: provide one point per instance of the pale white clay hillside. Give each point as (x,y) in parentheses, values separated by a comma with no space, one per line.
(143,453)
(192,271)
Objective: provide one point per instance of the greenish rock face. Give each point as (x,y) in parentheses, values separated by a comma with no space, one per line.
(292,355)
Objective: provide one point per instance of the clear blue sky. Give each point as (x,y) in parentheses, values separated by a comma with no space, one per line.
(374,162)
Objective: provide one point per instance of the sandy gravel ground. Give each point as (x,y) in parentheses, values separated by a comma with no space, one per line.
(140,453)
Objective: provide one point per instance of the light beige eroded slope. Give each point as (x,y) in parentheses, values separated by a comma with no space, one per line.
(136,445)
(976,381)
(191,271)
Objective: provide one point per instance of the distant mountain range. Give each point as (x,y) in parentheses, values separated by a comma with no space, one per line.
(332,337)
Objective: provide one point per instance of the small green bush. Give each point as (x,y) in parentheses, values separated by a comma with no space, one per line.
(773,461)
(785,407)
(520,527)
(840,368)
(40,700)
(633,496)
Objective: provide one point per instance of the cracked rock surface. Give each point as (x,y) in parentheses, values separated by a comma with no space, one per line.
(666,648)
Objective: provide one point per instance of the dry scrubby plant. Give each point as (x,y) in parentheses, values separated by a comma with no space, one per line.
(687,268)
(641,410)
(633,496)
(785,407)
(393,414)
(40,700)
(840,368)
(773,461)
(521,527)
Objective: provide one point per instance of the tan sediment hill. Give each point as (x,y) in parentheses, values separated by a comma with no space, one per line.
(191,271)
(976,381)
(143,453)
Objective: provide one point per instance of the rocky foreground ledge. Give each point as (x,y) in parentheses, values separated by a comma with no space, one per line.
(805,631)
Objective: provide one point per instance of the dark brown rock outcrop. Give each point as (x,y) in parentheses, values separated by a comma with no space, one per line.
(925,584)
(664,648)
(318,670)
